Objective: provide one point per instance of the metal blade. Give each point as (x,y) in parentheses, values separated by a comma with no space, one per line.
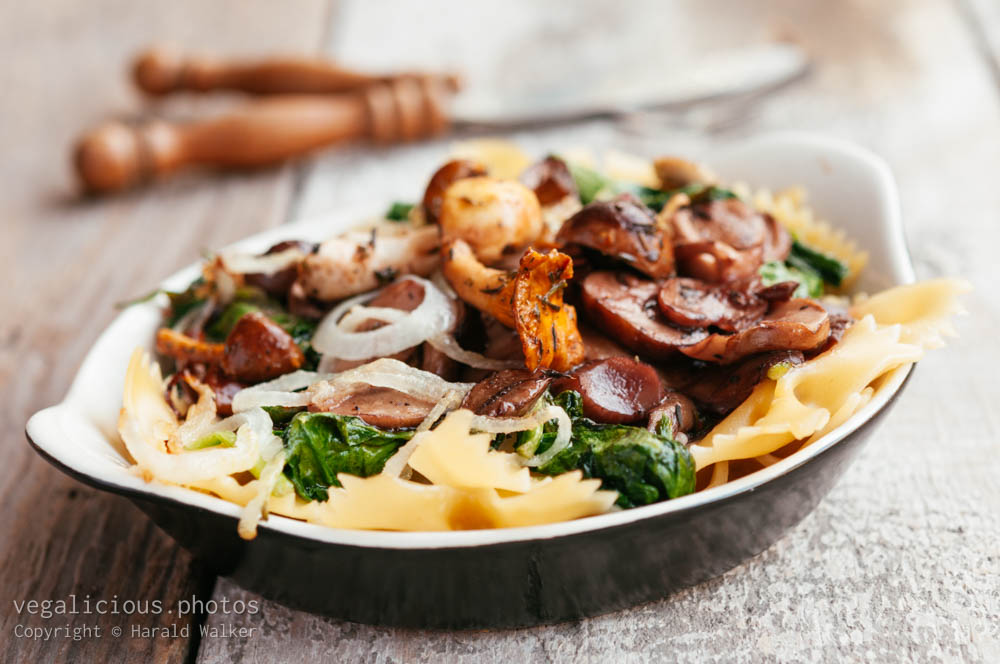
(720,75)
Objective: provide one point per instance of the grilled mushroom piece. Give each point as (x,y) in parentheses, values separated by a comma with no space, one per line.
(625,307)
(679,411)
(258,349)
(618,390)
(507,393)
(443,178)
(718,390)
(623,229)
(694,303)
(550,179)
(495,217)
(378,406)
(676,172)
(797,324)
(725,240)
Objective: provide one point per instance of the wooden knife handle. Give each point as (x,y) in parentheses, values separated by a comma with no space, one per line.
(162,70)
(117,156)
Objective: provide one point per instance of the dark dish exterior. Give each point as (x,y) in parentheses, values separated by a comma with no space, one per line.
(510,584)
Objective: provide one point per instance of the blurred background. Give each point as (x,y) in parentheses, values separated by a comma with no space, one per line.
(916,81)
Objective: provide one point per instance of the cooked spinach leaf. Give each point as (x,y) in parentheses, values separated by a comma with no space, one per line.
(590,183)
(593,185)
(775,272)
(643,467)
(214,439)
(399,211)
(832,270)
(321,445)
(184,301)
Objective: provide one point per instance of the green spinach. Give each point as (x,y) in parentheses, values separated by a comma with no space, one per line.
(644,467)
(776,272)
(399,211)
(322,445)
(832,270)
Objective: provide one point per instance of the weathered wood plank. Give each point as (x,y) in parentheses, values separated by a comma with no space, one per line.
(900,562)
(67,262)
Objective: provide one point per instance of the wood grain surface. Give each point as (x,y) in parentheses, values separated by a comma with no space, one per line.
(900,563)
(66,262)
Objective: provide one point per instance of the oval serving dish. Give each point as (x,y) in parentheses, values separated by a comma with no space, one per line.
(518,576)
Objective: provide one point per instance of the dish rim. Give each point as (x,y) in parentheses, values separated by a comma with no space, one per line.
(133,486)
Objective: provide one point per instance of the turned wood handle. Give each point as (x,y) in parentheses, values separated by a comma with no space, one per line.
(162,70)
(117,156)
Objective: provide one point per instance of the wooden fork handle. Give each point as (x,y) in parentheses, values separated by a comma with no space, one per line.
(162,70)
(117,156)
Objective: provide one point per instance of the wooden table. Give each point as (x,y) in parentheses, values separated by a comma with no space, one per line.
(900,563)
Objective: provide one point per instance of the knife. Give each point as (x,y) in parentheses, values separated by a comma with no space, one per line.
(342,105)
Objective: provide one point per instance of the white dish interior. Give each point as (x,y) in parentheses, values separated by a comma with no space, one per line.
(847,185)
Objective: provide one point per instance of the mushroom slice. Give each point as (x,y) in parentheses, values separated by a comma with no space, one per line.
(679,411)
(625,307)
(618,390)
(444,177)
(546,325)
(550,179)
(507,393)
(360,261)
(694,303)
(488,289)
(721,240)
(622,229)
(720,389)
(797,324)
(495,217)
(675,172)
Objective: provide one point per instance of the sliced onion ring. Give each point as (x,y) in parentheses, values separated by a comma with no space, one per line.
(448,346)
(432,317)
(392,374)
(277,392)
(535,419)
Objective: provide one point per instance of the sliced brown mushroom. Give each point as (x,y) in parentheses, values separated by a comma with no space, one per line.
(618,390)
(443,178)
(625,307)
(507,393)
(599,346)
(797,324)
(720,389)
(258,349)
(676,172)
(550,179)
(777,240)
(694,303)
(623,229)
(378,406)
(720,240)
(679,411)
